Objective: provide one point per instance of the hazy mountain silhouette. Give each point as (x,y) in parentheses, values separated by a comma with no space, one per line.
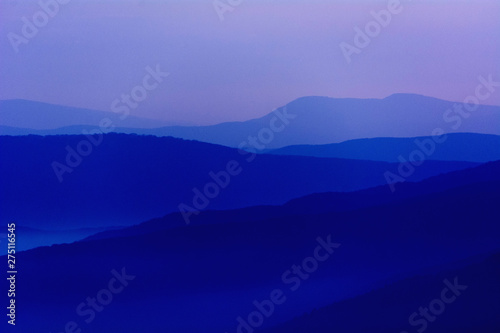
(456,147)
(211,274)
(28,117)
(323,120)
(319,202)
(29,238)
(128,179)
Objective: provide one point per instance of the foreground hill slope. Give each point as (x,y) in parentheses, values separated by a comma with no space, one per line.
(472,308)
(212,273)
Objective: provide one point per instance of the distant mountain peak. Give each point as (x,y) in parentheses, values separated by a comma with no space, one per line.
(410,97)
(21,113)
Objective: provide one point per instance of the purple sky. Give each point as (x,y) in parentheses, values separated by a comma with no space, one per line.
(262,56)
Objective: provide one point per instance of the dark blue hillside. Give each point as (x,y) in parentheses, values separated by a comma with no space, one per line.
(388,309)
(470,147)
(128,179)
(199,279)
(320,202)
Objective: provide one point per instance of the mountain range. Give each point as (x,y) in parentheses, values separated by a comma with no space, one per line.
(307,120)
(469,147)
(326,215)
(214,273)
(23,115)
(318,203)
(127,179)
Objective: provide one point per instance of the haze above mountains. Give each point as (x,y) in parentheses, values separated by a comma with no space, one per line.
(311,120)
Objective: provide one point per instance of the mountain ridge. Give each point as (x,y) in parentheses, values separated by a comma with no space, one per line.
(213,264)
(157,174)
(470,147)
(320,203)
(324,120)
(32,116)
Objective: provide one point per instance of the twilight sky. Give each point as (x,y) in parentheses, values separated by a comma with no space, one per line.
(264,54)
